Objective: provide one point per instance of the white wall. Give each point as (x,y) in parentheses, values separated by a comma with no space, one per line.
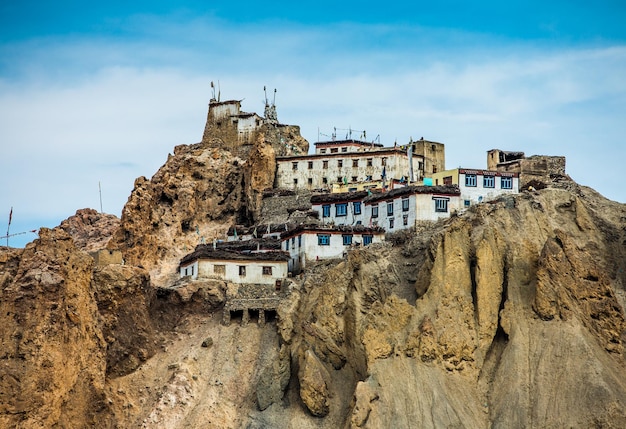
(477,194)
(307,249)
(254,271)
(420,207)
(351,218)
(397,166)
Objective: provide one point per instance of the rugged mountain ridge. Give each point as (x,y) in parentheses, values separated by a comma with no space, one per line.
(509,315)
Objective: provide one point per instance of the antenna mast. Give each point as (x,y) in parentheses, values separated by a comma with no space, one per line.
(100,189)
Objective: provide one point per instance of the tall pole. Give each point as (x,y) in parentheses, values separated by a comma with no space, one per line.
(9,225)
(100,189)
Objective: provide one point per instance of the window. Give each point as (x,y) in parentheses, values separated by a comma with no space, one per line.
(347,239)
(322,150)
(391,223)
(405,204)
(354,178)
(369,162)
(334,150)
(267,271)
(506,182)
(470,180)
(324,180)
(441,205)
(309,181)
(295,181)
(344,149)
(447,180)
(434,169)
(294,165)
(326,210)
(293,241)
(341,209)
(339,179)
(368,178)
(384,161)
(324,164)
(357,207)
(219,269)
(310,165)
(340,163)
(323,239)
(355,162)
(375,211)
(299,241)
(242,270)
(287,244)
(405,220)
(489,182)
(466,203)
(390,208)
(367,239)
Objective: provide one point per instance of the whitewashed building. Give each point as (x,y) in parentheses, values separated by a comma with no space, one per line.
(350,162)
(313,242)
(235,266)
(477,186)
(340,209)
(401,208)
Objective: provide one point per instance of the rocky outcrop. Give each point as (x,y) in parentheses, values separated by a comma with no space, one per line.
(195,196)
(273,380)
(53,352)
(89,229)
(123,295)
(518,303)
(510,314)
(259,174)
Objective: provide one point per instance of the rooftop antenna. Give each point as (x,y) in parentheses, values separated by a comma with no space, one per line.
(265,92)
(219,92)
(212,91)
(274,102)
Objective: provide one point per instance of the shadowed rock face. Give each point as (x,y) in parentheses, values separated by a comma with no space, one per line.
(510,315)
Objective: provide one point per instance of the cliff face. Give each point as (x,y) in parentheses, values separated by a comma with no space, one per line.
(53,354)
(510,315)
(198,193)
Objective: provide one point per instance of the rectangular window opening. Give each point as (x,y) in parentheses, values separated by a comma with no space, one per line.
(323,239)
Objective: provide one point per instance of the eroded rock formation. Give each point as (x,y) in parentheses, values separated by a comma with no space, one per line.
(509,315)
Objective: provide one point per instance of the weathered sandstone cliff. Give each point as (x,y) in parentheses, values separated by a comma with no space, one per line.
(509,315)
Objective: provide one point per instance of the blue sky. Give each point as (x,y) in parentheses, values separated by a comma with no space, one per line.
(102,93)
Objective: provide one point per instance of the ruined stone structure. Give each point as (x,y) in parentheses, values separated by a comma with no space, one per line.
(228,127)
(262,307)
(536,168)
(104,257)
